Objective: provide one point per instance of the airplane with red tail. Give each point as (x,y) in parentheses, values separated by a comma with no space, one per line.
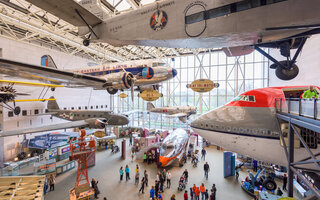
(248,125)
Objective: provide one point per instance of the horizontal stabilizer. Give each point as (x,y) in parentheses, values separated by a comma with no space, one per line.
(65,9)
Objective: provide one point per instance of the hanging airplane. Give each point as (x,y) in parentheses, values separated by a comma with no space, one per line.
(182,112)
(236,26)
(248,125)
(78,118)
(9,94)
(173,147)
(112,77)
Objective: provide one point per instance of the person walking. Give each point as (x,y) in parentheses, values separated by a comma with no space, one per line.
(146,177)
(127,173)
(202,190)
(132,156)
(130,140)
(186,175)
(237,172)
(173,197)
(46,185)
(185,195)
(206,169)
(143,182)
(152,192)
(137,176)
(284,182)
(52,181)
(203,154)
(168,179)
(94,185)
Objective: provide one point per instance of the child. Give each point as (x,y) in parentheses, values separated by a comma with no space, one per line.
(185,196)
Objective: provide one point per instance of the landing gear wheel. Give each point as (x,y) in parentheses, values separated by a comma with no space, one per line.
(53,89)
(269,184)
(287,74)
(17,110)
(86,42)
(112,91)
(22,155)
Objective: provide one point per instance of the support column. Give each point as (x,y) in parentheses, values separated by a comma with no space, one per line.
(290,160)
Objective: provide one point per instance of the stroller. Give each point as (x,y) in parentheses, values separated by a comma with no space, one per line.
(115,149)
(182,183)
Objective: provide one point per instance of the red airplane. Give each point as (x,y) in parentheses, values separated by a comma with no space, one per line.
(248,125)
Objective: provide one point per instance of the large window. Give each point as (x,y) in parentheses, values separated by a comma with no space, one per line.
(235,75)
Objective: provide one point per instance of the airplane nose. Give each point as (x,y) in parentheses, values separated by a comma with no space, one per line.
(174,72)
(124,120)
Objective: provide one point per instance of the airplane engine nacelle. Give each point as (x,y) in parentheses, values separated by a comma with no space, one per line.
(120,80)
(96,123)
(147,72)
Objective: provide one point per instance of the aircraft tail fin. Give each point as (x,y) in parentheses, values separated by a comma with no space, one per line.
(53,105)
(150,106)
(47,61)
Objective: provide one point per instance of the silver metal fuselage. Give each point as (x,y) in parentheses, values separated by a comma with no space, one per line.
(188,110)
(76,115)
(239,28)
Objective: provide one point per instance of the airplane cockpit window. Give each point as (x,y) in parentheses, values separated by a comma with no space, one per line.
(248,98)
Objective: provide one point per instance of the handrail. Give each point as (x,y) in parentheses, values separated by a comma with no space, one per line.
(297,106)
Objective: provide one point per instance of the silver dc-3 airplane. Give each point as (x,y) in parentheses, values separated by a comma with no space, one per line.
(112,77)
(236,26)
(78,118)
(182,112)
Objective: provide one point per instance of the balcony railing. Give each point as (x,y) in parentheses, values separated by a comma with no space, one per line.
(302,107)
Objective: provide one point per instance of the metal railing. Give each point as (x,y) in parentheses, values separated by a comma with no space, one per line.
(302,107)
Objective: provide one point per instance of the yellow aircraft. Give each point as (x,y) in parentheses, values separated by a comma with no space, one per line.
(8,93)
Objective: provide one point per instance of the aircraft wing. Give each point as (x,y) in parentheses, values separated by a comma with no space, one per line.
(51,75)
(66,10)
(74,124)
(177,115)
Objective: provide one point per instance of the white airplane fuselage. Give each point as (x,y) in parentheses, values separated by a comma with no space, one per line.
(249,127)
(146,72)
(188,110)
(208,23)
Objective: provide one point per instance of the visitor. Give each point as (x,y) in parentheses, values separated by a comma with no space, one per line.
(132,156)
(143,182)
(214,189)
(206,195)
(121,173)
(212,196)
(94,185)
(206,169)
(185,195)
(146,177)
(104,198)
(130,140)
(173,197)
(160,197)
(202,190)
(186,175)
(127,170)
(237,172)
(149,157)
(168,179)
(279,192)
(157,186)
(152,192)
(255,165)
(197,193)
(52,181)
(203,154)
(137,176)
(284,182)
(46,185)
(311,93)
(191,194)
(145,157)
(161,182)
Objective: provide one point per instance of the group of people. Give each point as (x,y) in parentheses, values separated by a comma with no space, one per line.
(196,192)
(162,178)
(149,157)
(49,183)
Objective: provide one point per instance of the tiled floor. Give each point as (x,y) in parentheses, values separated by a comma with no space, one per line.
(106,171)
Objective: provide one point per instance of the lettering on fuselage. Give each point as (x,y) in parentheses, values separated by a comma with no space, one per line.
(156,8)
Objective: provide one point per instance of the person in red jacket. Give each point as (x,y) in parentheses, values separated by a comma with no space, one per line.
(185,195)
(202,190)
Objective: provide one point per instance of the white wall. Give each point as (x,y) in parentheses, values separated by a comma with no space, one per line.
(66,97)
(308,62)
